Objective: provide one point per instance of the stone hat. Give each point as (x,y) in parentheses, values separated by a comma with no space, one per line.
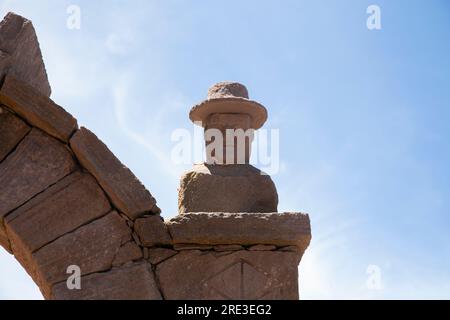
(229,97)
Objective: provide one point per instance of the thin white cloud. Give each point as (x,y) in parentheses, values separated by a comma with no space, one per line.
(121,102)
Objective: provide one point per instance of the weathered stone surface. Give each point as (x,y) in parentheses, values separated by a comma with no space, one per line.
(157,255)
(152,231)
(240,275)
(72,202)
(261,247)
(38,162)
(20,53)
(203,247)
(228,247)
(124,189)
(280,229)
(12,131)
(289,249)
(229,97)
(235,137)
(37,109)
(145,253)
(5,60)
(130,251)
(130,282)
(136,238)
(4,242)
(226,188)
(92,247)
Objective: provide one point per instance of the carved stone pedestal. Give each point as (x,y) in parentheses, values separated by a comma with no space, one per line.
(235,256)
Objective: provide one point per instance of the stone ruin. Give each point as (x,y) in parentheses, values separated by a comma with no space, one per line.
(66,200)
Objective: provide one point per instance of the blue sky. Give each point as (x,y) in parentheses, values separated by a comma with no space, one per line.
(363,118)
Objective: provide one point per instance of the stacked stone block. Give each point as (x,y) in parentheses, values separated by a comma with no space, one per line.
(65,200)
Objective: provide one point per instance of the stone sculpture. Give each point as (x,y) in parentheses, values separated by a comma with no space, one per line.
(223,183)
(66,200)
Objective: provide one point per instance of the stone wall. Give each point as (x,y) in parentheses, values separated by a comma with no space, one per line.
(65,200)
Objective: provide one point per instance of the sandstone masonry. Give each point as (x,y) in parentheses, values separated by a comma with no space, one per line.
(66,200)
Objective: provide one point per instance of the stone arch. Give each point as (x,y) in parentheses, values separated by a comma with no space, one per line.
(65,199)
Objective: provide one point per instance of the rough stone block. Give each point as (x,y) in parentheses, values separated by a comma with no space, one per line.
(72,202)
(240,275)
(152,231)
(130,251)
(37,109)
(21,55)
(131,282)
(226,188)
(5,61)
(157,255)
(92,247)
(279,229)
(202,247)
(12,131)
(38,162)
(4,242)
(124,189)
